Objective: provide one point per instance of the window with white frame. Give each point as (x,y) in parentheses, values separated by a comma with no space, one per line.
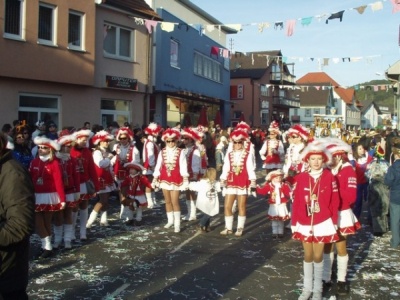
(75,30)
(34,107)
(174,54)
(207,67)
(264,91)
(316,111)
(307,112)
(115,110)
(47,24)
(118,42)
(14,19)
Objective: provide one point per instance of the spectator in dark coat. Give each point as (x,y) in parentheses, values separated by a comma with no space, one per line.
(17,202)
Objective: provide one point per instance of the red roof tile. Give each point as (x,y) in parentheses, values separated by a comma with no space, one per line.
(316,78)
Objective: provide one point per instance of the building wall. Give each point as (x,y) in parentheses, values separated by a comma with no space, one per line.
(28,59)
(76,78)
(182,12)
(137,69)
(182,79)
(370,118)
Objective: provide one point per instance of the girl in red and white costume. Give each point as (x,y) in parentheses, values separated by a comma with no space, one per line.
(133,192)
(237,177)
(172,176)
(102,160)
(193,157)
(298,137)
(46,174)
(278,194)
(272,151)
(249,146)
(315,215)
(348,223)
(87,171)
(70,173)
(149,158)
(125,151)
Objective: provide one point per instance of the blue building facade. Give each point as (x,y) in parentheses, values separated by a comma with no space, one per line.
(190,72)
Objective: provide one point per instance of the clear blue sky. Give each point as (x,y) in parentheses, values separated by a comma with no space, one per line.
(358,35)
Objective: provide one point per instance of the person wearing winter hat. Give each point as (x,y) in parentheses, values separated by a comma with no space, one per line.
(89,183)
(40,129)
(71,181)
(278,194)
(47,179)
(272,151)
(51,131)
(149,158)
(193,157)
(133,189)
(102,161)
(172,176)
(124,151)
(315,215)
(347,222)
(237,178)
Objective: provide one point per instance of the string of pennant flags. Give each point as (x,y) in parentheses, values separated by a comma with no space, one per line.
(289,25)
(303,88)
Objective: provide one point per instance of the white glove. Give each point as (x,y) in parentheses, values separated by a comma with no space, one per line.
(63,205)
(155,184)
(263,157)
(185,184)
(293,228)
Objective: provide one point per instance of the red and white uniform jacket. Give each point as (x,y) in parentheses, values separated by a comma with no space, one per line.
(193,162)
(326,190)
(171,166)
(103,168)
(347,185)
(293,164)
(361,166)
(86,166)
(47,177)
(238,169)
(275,194)
(136,185)
(70,174)
(150,154)
(272,153)
(124,154)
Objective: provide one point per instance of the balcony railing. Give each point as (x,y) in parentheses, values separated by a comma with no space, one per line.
(290,102)
(278,76)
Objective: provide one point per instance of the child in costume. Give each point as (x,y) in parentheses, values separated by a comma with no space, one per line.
(207,197)
(277,194)
(133,191)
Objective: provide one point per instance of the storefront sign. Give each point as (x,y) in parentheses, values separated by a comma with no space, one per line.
(117,82)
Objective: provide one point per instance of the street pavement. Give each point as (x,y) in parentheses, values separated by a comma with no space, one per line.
(150,262)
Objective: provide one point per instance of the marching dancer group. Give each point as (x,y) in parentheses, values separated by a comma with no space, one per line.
(316,186)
